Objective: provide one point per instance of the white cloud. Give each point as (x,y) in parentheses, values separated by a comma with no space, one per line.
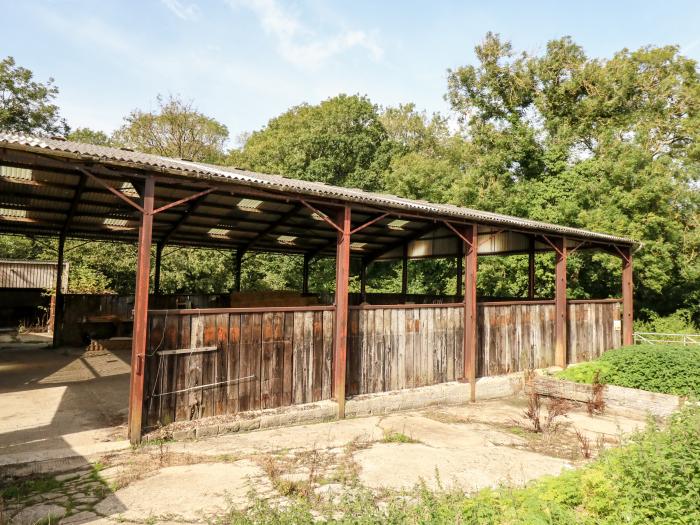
(297,43)
(181,10)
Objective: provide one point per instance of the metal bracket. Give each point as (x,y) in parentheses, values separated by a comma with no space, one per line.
(459,234)
(323,216)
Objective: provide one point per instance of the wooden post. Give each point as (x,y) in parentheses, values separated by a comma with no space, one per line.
(305,274)
(470,314)
(138,342)
(560,303)
(460,259)
(237,271)
(363,282)
(342,277)
(156,277)
(627,298)
(404,272)
(531,269)
(59,302)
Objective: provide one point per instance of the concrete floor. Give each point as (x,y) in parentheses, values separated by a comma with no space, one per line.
(56,403)
(485,444)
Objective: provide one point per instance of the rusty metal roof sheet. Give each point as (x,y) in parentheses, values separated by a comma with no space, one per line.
(195,170)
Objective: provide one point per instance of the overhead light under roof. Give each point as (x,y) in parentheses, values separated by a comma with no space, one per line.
(21,174)
(357,245)
(128,189)
(218,232)
(286,239)
(249,204)
(117,224)
(13,214)
(397,224)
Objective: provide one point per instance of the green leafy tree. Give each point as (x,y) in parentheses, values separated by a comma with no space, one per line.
(610,145)
(90,136)
(26,106)
(176,129)
(340,141)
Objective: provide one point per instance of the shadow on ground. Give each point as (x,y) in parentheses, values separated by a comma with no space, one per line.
(59,409)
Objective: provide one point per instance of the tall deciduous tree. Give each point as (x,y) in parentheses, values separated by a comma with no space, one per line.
(176,129)
(610,145)
(27,106)
(339,141)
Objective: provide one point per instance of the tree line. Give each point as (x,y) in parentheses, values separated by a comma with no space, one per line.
(604,144)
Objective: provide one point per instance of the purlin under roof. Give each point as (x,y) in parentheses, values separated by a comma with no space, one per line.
(121,158)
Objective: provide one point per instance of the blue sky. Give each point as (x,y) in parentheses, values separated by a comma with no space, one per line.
(245,61)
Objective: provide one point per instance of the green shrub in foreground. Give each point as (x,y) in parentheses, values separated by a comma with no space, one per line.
(668,369)
(653,479)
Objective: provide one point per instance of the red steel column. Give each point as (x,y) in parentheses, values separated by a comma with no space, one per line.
(627,298)
(470,317)
(342,278)
(560,303)
(138,342)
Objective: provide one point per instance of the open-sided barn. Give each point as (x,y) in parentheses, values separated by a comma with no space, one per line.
(196,358)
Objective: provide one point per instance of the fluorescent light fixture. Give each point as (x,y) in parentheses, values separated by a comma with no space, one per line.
(13,214)
(249,204)
(128,189)
(218,232)
(397,224)
(286,239)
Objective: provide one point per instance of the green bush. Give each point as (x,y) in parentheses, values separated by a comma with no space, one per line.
(655,478)
(657,368)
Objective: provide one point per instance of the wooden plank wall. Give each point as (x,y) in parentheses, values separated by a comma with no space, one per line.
(266,358)
(514,336)
(261,360)
(391,348)
(592,329)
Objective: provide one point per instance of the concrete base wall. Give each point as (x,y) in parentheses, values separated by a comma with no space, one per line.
(444,394)
(615,397)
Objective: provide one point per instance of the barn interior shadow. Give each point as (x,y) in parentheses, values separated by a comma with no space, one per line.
(60,407)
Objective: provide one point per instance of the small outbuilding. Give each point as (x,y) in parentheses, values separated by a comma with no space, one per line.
(27,293)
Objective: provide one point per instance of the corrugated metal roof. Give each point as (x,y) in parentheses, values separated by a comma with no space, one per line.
(121,157)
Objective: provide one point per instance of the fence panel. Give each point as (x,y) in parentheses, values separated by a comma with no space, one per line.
(210,362)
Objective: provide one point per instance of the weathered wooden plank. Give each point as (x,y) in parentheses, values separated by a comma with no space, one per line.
(153,372)
(250,342)
(267,350)
(170,341)
(233,365)
(208,365)
(450,345)
(353,371)
(194,371)
(299,359)
(401,348)
(328,356)
(308,356)
(388,357)
(221,371)
(182,365)
(277,360)
(288,360)
(317,361)
(410,331)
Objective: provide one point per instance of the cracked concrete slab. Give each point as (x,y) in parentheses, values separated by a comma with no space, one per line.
(189,493)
